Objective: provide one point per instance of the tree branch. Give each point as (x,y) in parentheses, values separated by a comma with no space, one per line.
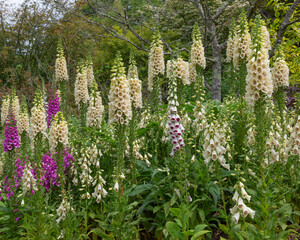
(283,26)
(222,9)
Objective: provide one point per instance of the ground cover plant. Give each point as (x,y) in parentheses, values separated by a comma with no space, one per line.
(161,158)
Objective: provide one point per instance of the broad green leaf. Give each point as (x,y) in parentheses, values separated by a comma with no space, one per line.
(198,234)
(174,230)
(140,188)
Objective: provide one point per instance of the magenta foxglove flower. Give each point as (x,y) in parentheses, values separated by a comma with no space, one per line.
(53,108)
(12,139)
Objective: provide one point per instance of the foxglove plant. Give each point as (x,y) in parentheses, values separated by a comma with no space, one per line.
(15,105)
(23,121)
(156,69)
(58,133)
(198,62)
(5,108)
(95,109)
(230,43)
(156,61)
(81,88)
(176,129)
(242,41)
(63,209)
(266,35)
(53,108)
(119,94)
(89,71)
(61,72)
(12,140)
(240,208)
(135,84)
(258,79)
(216,145)
(180,70)
(241,52)
(49,178)
(28,181)
(38,123)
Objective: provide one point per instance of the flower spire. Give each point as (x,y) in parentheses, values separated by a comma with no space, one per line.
(119,94)
(61,72)
(156,60)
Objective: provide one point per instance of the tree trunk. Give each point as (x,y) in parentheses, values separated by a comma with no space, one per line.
(216,75)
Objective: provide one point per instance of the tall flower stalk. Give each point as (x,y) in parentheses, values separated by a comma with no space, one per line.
(198,61)
(53,108)
(81,93)
(241,51)
(156,69)
(23,125)
(120,112)
(259,87)
(5,108)
(136,103)
(38,127)
(95,109)
(61,73)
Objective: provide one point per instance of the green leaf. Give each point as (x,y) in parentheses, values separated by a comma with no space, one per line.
(198,234)
(201,214)
(174,230)
(176,212)
(102,234)
(141,188)
(200,227)
(223,228)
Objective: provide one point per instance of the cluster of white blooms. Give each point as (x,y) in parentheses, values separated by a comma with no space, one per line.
(23,121)
(147,160)
(180,69)
(192,72)
(89,72)
(230,43)
(266,37)
(276,144)
(240,207)
(28,181)
(251,135)
(81,93)
(63,209)
(216,145)
(136,148)
(242,41)
(38,122)
(95,111)
(145,118)
(197,51)
(176,129)
(99,191)
(119,94)
(200,122)
(15,105)
(58,132)
(5,108)
(135,85)
(280,74)
(88,171)
(293,144)
(229,49)
(156,60)
(258,77)
(61,72)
